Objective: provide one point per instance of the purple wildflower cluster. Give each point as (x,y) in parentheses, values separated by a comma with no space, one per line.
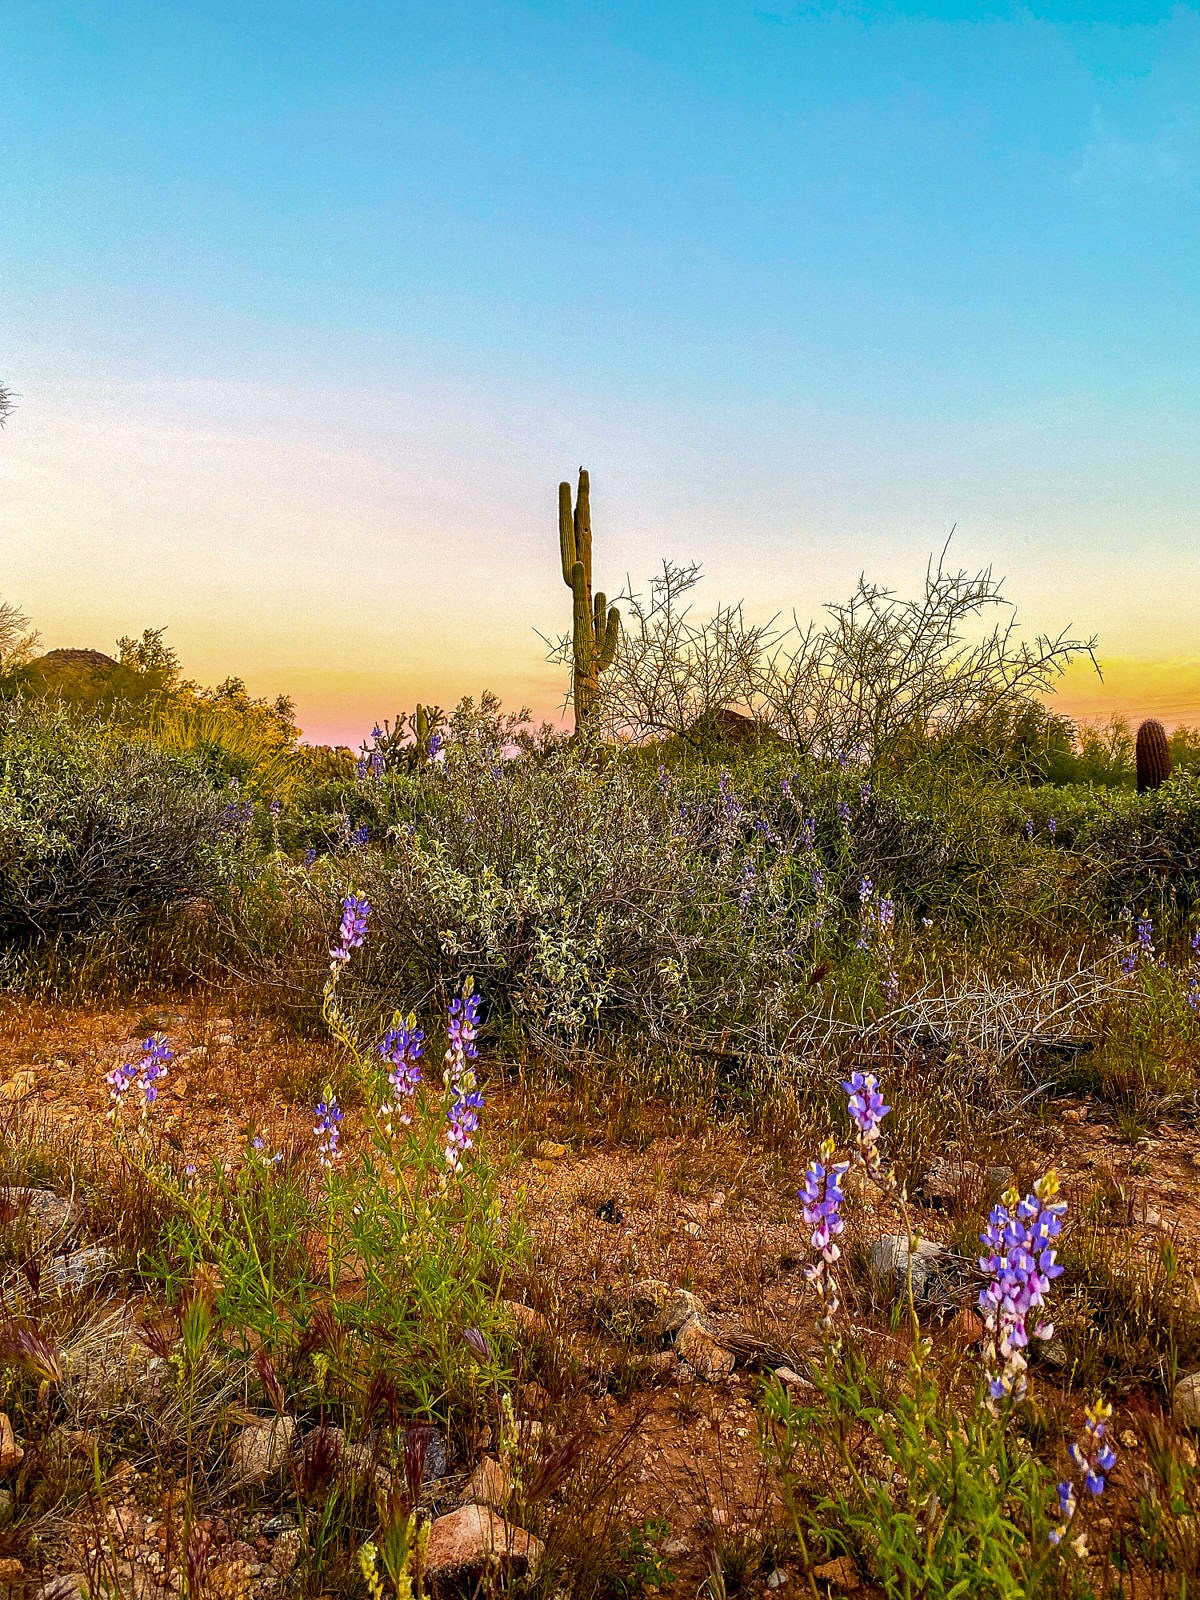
(1020,1263)
(465,1099)
(238,813)
(328,1130)
(1094,1458)
(145,1074)
(746,882)
(844,813)
(867,1111)
(821,1199)
(877,931)
(402,1048)
(355,912)
(1141,951)
(1193,988)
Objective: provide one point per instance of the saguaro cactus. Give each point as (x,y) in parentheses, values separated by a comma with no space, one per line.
(1153,756)
(595,625)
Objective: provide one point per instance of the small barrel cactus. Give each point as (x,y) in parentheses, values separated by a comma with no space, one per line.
(1153,756)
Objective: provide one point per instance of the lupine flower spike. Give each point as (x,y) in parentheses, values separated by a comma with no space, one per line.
(1020,1262)
(402,1047)
(355,912)
(144,1074)
(821,1202)
(328,1130)
(1142,948)
(867,1112)
(465,1099)
(1094,1457)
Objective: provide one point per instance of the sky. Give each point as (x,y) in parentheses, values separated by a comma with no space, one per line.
(309,307)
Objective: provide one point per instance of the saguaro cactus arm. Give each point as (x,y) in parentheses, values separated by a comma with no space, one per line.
(595,625)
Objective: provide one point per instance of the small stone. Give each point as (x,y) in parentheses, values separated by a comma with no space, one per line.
(998,1179)
(841,1572)
(776,1579)
(947,1181)
(282,1522)
(1055,1354)
(287,1549)
(488,1485)
(80,1268)
(890,1259)
(549,1150)
(11,1453)
(966,1327)
(11,1570)
(708,1359)
(473,1538)
(681,1304)
(693,1230)
(47,1212)
(1075,1115)
(260,1450)
(528,1320)
(1185,1401)
(179,1087)
(792,1380)
(19,1085)
(1127,1439)
(65,1586)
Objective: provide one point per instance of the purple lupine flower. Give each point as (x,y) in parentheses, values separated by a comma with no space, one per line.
(361,837)
(1020,1262)
(1094,1457)
(462,1121)
(867,1111)
(821,1199)
(746,888)
(664,779)
(144,1074)
(435,744)
(1029,829)
(402,1048)
(310,856)
(864,794)
(808,833)
(1052,829)
(464,1101)
(818,881)
(785,788)
(377,732)
(1142,948)
(844,813)
(355,911)
(360,767)
(327,1129)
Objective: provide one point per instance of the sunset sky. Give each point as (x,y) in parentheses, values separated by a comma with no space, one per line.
(308,308)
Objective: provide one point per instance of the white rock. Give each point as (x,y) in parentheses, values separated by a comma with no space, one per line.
(473,1538)
(1185,1401)
(260,1450)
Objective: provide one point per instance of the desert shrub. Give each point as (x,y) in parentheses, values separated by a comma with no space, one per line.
(1146,848)
(95,828)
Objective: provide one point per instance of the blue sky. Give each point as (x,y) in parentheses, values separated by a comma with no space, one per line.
(308,308)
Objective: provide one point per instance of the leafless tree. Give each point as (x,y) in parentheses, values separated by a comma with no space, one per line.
(883,670)
(879,673)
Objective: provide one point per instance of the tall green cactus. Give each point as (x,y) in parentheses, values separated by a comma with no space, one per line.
(595,625)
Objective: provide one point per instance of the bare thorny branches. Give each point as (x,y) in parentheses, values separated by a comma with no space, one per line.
(877,672)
